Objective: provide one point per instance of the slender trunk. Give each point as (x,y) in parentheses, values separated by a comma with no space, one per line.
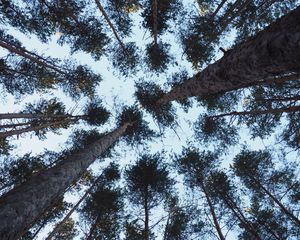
(146,209)
(281,206)
(212,211)
(273,52)
(21,206)
(154,14)
(34,128)
(239,214)
(102,10)
(259,112)
(218,8)
(92,229)
(13,125)
(24,53)
(30,115)
(166,227)
(60,224)
(281,99)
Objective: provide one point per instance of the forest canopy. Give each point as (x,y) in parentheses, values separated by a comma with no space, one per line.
(149,119)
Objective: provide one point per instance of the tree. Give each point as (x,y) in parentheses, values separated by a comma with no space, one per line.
(47,186)
(48,115)
(248,64)
(196,167)
(256,170)
(147,183)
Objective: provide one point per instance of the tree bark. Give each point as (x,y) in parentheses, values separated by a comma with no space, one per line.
(272,53)
(259,112)
(154,14)
(60,224)
(102,10)
(21,206)
(30,115)
(218,8)
(146,210)
(212,211)
(280,205)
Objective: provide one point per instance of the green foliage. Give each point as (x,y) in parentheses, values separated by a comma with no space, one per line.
(148,94)
(216,131)
(148,178)
(138,130)
(96,114)
(67,231)
(157,57)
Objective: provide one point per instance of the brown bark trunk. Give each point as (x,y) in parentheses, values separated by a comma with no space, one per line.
(146,210)
(60,224)
(212,211)
(34,128)
(260,112)
(218,8)
(21,206)
(29,115)
(154,14)
(102,10)
(280,205)
(273,52)
(24,53)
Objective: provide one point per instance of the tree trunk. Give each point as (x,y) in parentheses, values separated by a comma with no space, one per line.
(146,209)
(21,206)
(102,10)
(33,57)
(35,128)
(60,224)
(212,211)
(281,206)
(218,8)
(272,53)
(30,115)
(154,14)
(259,112)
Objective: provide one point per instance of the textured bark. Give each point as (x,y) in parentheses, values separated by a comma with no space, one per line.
(212,211)
(260,112)
(102,10)
(272,53)
(22,206)
(154,14)
(29,115)
(60,224)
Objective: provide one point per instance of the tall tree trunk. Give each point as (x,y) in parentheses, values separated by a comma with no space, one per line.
(60,224)
(273,52)
(146,210)
(218,8)
(259,112)
(35,128)
(102,10)
(212,211)
(21,206)
(239,214)
(154,15)
(31,56)
(42,116)
(280,205)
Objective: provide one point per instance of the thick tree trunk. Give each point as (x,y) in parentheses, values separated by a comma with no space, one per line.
(21,206)
(212,211)
(102,10)
(273,52)
(60,224)
(259,112)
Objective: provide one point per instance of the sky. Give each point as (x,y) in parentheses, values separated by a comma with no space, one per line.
(113,90)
